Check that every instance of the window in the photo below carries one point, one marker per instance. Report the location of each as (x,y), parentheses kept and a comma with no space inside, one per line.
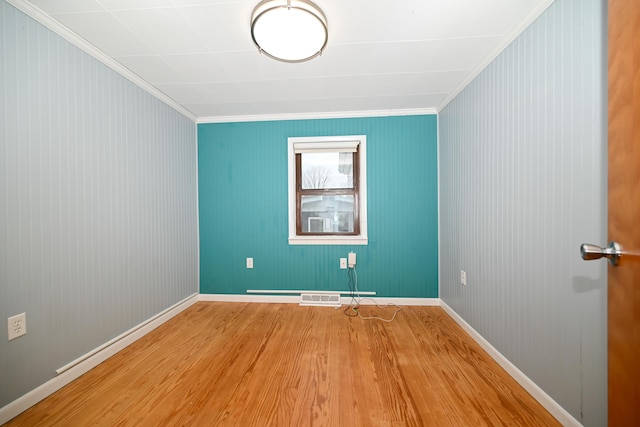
(327,190)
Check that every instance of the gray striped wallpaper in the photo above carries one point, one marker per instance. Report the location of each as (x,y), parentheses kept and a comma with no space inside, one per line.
(98,203)
(522,184)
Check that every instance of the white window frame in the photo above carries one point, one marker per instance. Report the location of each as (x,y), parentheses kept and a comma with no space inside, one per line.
(362,238)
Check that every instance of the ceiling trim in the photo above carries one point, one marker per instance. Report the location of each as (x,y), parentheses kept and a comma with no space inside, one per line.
(325,115)
(533,14)
(82,44)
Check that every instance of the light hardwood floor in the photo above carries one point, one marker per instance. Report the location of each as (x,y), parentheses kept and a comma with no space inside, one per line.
(237,364)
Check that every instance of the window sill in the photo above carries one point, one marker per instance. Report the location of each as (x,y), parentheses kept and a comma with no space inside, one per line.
(328,240)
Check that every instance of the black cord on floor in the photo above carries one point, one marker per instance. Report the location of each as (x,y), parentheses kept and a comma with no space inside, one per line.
(352,294)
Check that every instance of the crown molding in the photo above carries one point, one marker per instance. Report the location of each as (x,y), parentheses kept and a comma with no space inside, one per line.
(322,115)
(43,18)
(533,14)
(67,34)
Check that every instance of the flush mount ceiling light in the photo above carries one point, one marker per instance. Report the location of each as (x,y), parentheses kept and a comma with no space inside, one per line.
(289,30)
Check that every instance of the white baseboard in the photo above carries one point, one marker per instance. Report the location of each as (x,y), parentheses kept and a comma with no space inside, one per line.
(564,417)
(103,352)
(276,299)
(295,299)
(364,300)
(92,359)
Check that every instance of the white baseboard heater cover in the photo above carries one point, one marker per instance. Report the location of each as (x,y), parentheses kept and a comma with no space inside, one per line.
(320,299)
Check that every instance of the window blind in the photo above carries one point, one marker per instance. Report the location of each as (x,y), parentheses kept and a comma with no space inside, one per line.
(326,147)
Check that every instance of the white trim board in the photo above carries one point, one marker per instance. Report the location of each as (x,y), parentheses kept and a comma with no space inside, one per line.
(424,302)
(319,115)
(560,414)
(43,18)
(300,291)
(92,359)
(25,402)
(276,299)
(510,38)
(295,299)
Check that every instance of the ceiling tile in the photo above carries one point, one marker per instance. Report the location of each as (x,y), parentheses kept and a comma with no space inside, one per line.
(163,30)
(503,16)
(201,2)
(134,4)
(222,27)
(151,68)
(197,67)
(465,53)
(391,55)
(185,93)
(68,6)
(374,58)
(356,22)
(105,32)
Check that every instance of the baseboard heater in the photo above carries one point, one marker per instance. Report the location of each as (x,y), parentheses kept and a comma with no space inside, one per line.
(312,298)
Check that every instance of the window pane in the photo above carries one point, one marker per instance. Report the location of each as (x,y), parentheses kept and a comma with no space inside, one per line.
(327,170)
(327,214)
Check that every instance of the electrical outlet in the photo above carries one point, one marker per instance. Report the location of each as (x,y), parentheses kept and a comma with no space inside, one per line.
(463,277)
(343,263)
(249,262)
(17,326)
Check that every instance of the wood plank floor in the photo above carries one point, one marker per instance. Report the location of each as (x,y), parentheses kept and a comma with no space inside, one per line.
(237,364)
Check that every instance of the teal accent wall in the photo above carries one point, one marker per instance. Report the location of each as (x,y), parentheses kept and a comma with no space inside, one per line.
(242,179)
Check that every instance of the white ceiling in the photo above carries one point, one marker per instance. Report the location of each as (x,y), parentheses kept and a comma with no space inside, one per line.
(382,55)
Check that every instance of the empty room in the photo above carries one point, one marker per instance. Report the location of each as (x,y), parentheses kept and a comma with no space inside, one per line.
(327,213)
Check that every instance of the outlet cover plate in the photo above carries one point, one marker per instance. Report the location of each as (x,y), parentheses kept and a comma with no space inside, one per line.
(17,326)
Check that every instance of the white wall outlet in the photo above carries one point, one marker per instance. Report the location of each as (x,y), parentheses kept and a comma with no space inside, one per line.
(463,277)
(17,326)
(352,259)
(249,262)
(343,263)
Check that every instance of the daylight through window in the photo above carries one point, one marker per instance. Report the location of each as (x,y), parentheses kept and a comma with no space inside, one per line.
(329,200)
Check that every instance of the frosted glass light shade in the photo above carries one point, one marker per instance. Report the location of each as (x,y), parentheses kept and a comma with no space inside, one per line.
(289,30)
